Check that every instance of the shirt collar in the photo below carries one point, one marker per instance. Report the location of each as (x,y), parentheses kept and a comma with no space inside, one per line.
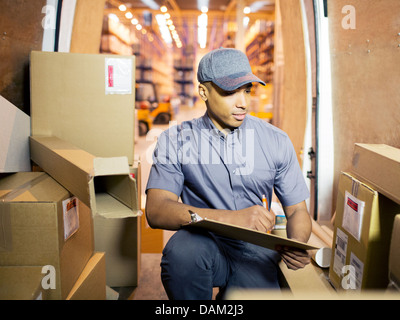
(214,131)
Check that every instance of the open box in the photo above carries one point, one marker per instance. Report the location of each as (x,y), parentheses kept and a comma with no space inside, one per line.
(103,184)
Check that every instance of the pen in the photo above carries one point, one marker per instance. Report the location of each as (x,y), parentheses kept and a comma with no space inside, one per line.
(265,202)
(265,205)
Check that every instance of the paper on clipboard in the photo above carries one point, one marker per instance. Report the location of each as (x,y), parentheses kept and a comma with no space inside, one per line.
(262,239)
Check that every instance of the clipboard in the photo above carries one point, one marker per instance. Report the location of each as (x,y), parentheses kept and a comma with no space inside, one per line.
(262,239)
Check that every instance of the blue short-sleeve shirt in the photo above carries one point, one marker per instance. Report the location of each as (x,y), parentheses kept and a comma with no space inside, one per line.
(209,169)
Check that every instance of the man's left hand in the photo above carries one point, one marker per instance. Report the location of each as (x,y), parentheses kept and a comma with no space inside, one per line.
(294,258)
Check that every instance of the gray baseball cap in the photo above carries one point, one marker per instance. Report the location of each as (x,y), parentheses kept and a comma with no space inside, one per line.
(228,68)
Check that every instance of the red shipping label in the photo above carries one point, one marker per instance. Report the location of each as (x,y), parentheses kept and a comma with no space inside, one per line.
(110,76)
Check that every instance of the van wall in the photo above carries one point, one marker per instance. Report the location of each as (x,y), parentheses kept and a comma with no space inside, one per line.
(365,64)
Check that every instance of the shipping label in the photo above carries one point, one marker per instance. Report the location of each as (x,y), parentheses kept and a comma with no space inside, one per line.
(358,268)
(339,260)
(118,76)
(71,216)
(353,215)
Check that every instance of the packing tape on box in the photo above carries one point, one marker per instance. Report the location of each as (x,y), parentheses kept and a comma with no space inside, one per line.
(354,187)
(5,218)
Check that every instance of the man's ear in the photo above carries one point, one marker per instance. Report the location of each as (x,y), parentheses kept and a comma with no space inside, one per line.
(203,92)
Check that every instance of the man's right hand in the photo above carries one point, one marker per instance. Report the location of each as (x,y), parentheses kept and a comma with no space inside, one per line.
(255,217)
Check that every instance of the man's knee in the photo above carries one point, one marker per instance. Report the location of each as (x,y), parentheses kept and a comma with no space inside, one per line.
(187,250)
(186,266)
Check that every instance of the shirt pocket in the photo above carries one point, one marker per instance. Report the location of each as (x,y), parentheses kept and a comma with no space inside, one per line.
(260,181)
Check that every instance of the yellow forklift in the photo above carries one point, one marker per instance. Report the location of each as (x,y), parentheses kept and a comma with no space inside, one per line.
(150,110)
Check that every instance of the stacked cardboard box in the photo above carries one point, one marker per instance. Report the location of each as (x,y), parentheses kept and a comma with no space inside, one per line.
(43,226)
(87,100)
(22,283)
(91,283)
(82,123)
(365,212)
(82,109)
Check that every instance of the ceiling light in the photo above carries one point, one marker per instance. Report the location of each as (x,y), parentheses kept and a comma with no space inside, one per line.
(122,7)
(134,21)
(202,20)
(151,4)
(113,17)
(202,5)
(257,5)
(167,15)
(139,26)
(129,15)
(246,10)
(165,34)
(163,9)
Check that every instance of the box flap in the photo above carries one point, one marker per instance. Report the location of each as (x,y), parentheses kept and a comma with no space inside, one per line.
(103,184)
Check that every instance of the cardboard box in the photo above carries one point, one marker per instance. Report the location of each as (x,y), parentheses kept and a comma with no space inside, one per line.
(379,166)
(91,284)
(119,239)
(15,129)
(103,184)
(85,99)
(33,230)
(394,256)
(21,283)
(362,231)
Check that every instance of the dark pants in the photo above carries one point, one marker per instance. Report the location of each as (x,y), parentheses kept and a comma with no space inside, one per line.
(194,262)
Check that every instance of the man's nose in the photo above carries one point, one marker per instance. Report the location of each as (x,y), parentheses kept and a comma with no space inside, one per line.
(241,99)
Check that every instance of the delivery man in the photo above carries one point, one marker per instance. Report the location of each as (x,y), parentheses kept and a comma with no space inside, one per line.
(219,166)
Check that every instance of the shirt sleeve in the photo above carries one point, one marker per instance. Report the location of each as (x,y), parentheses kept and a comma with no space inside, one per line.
(290,186)
(165,172)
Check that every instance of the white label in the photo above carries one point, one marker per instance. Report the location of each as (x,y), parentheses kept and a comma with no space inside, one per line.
(71,216)
(339,260)
(359,268)
(118,75)
(353,215)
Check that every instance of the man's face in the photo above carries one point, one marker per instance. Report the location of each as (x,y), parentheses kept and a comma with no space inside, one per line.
(226,109)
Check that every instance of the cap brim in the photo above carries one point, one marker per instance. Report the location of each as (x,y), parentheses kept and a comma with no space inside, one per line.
(230,84)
